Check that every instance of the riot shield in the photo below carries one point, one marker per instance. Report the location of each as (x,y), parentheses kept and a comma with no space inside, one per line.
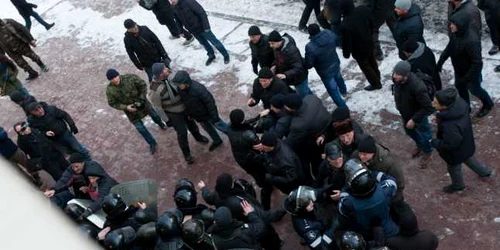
(139,191)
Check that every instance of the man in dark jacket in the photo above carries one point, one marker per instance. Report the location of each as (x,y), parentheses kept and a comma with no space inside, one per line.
(200,105)
(23,100)
(331,174)
(321,54)
(262,53)
(100,184)
(469,9)
(128,94)
(265,86)
(283,167)
(16,41)
(357,39)
(288,63)
(191,15)
(309,120)
(280,117)
(491,8)
(347,137)
(455,138)
(421,58)
(53,123)
(143,47)
(26,11)
(464,48)
(408,25)
(39,148)
(165,15)
(339,115)
(414,104)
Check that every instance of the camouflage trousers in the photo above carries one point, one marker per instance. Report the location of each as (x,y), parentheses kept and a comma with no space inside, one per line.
(26,51)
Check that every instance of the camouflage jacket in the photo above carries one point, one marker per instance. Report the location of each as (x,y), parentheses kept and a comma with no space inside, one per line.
(8,80)
(13,35)
(130,90)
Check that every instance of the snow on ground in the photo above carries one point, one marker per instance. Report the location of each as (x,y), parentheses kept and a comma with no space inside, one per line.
(101,24)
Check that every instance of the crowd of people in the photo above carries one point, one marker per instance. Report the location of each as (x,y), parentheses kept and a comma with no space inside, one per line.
(344,189)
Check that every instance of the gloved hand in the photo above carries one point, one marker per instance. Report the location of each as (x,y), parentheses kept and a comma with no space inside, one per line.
(74,129)
(34,6)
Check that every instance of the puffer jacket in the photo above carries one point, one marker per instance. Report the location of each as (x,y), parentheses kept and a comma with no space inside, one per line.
(199,102)
(284,167)
(321,54)
(191,15)
(409,26)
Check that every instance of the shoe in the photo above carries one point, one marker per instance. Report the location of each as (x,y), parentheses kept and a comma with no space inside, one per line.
(202,139)
(188,41)
(174,37)
(379,55)
(189,160)
(371,88)
(50,26)
(483,112)
(163,126)
(44,68)
(226,60)
(425,160)
(152,148)
(493,50)
(32,76)
(214,146)
(451,189)
(497,69)
(210,60)
(303,30)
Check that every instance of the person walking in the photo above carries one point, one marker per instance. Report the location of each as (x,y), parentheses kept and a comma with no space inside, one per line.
(25,9)
(262,53)
(408,25)
(306,14)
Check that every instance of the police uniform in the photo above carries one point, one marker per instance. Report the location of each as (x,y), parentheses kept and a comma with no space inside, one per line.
(314,233)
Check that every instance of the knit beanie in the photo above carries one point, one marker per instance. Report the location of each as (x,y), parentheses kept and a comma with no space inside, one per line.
(293,101)
(367,144)
(278,100)
(76,157)
(341,114)
(223,216)
(158,69)
(111,73)
(224,183)
(129,23)
(237,116)
(447,97)
(410,45)
(17,96)
(33,106)
(254,30)
(402,68)
(269,139)
(403,4)
(181,77)
(266,73)
(313,29)
(275,36)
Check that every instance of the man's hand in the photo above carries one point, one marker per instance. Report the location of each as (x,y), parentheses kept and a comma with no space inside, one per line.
(247,208)
(335,195)
(131,108)
(281,76)
(410,124)
(142,205)
(102,234)
(251,102)
(201,185)
(258,147)
(84,189)
(50,133)
(49,193)
(320,140)
(264,112)
(273,69)
(33,43)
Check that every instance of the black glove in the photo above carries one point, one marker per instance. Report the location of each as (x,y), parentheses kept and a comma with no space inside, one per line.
(74,129)
(255,69)
(169,123)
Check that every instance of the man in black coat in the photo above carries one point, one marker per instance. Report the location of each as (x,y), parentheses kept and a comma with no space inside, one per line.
(414,104)
(421,58)
(455,138)
(23,100)
(165,15)
(200,105)
(26,11)
(288,64)
(143,47)
(191,15)
(357,40)
(265,86)
(464,48)
(100,184)
(262,53)
(331,173)
(53,123)
(408,25)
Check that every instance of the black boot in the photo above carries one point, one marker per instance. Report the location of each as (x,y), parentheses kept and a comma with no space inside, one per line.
(210,60)
(32,75)
(187,155)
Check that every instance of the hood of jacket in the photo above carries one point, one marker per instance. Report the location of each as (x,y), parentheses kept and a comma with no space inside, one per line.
(287,40)
(418,52)
(454,112)
(413,11)
(93,169)
(323,38)
(462,21)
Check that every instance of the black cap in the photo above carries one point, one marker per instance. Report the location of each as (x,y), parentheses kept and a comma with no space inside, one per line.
(129,23)
(447,97)
(410,45)
(17,96)
(181,77)
(313,29)
(278,100)
(254,30)
(76,157)
(111,73)
(275,36)
(341,114)
(333,150)
(33,106)
(223,216)
(293,101)
(237,116)
(266,73)
(367,144)
(269,139)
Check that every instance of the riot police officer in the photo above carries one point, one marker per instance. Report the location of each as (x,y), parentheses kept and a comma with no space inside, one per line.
(194,236)
(118,214)
(185,197)
(120,239)
(169,231)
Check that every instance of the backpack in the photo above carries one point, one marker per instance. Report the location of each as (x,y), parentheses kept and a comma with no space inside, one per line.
(428,82)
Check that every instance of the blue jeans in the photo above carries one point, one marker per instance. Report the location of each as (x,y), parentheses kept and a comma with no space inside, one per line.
(206,38)
(421,134)
(455,171)
(222,126)
(335,85)
(139,125)
(37,17)
(303,89)
(68,140)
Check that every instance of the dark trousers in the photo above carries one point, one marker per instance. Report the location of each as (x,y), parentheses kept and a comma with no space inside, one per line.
(476,89)
(69,141)
(210,129)
(390,21)
(55,167)
(494,27)
(369,67)
(421,134)
(181,125)
(61,199)
(310,6)
(455,171)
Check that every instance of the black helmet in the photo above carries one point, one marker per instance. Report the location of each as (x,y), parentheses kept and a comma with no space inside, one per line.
(352,241)
(146,235)
(168,226)
(193,231)
(297,201)
(119,238)
(74,211)
(113,203)
(88,231)
(185,194)
(359,179)
(144,216)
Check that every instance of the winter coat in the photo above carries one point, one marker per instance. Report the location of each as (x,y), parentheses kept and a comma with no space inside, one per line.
(321,54)
(412,99)
(191,15)
(13,36)
(328,175)
(285,168)
(242,139)
(7,147)
(55,120)
(199,102)
(262,53)
(472,12)
(161,8)
(165,97)
(130,90)
(37,145)
(145,49)
(70,178)
(455,136)
(259,93)
(289,62)
(239,235)
(8,79)
(423,60)
(490,7)
(25,9)
(104,184)
(464,48)
(410,25)
(282,125)
(357,29)
(308,122)
(381,10)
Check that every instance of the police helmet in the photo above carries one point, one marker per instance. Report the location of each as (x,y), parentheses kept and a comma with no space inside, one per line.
(352,241)
(358,179)
(299,199)
(74,211)
(193,231)
(119,238)
(88,231)
(168,226)
(146,235)
(113,203)
(185,194)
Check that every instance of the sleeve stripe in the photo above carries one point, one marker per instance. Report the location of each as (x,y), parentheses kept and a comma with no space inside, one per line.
(379,176)
(316,242)
(327,239)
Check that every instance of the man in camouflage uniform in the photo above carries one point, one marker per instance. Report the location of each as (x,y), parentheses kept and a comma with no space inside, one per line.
(15,40)
(128,93)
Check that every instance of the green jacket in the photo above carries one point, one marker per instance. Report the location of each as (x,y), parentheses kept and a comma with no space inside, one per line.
(130,90)
(11,84)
